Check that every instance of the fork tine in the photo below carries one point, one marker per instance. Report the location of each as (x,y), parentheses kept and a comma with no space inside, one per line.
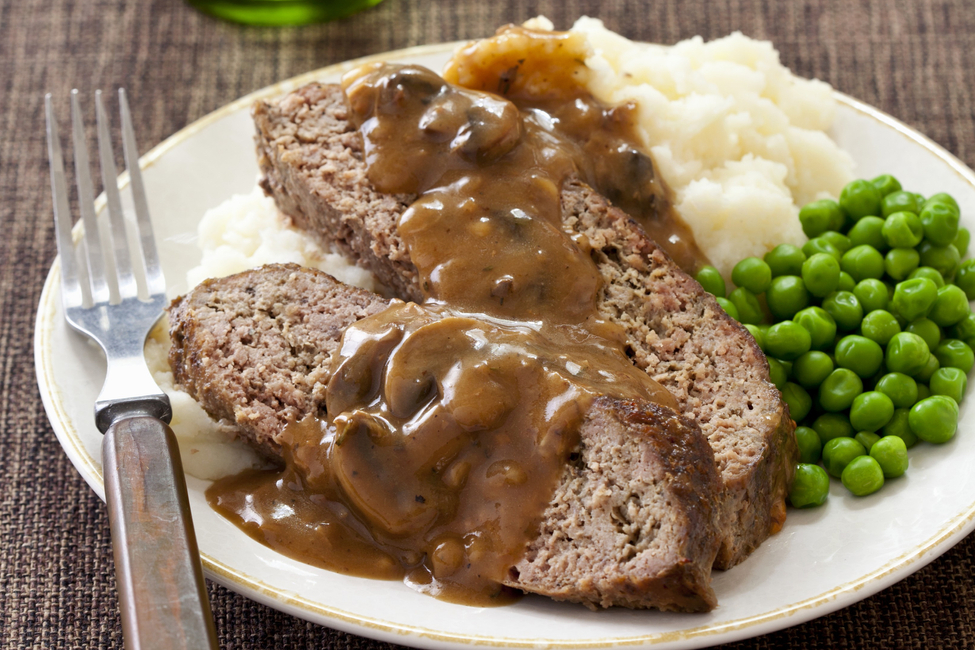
(155,281)
(71,294)
(86,201)
(127,286)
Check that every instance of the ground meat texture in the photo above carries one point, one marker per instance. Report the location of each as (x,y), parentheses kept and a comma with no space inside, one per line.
(632,522)
(632,515)
(310,156)
(253,348)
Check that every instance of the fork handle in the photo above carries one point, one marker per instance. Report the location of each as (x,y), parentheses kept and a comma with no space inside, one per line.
(162,594)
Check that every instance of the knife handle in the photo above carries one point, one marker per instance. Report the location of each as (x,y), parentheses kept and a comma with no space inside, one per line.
(162,594)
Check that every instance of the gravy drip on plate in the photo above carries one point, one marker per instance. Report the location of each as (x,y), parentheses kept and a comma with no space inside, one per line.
(449,424)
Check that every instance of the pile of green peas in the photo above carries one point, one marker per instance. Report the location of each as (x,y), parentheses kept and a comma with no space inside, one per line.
(867,329)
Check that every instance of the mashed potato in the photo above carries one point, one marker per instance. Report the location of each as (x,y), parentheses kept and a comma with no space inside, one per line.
(739,138)
(246,231)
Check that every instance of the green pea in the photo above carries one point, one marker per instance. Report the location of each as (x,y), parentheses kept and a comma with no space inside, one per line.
(901,389)
(847,283)
(810,446)
(777,373)
(872,294)
(929,273)
(942,197)
(900,262)
(786,295)
(810,486)
(845,309)
(753,274)
(819,324)
(863,262)
(821,274)
(870,411)
(886,184)
(786,365)
(965,278)
(860,199)
(710,278)
(906,353)
(902,230)
(924,374)
(940,222)
(943,259)
(728,307)
(785,259)
(859,354)
(868,231)
(913,299)
(890,453)
(819,216)
(900,202)
(787,340)
(899,426)
(757,335)
(962,240)
(838,452)
(839,241)
(749,309)
(812,368)
(863,476)
(963,329)
(923,392)
(953,353)
(832,425)
(839,389)
(950,306)
(950,382)
(927,329)
(820,245)
(797,399)
(879,326)
(867,439)
(934,419)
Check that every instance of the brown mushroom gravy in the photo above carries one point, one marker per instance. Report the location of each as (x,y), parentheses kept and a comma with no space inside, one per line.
(448,438)
(544,75)
(448,424)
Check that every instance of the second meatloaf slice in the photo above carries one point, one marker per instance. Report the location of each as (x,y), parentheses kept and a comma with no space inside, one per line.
(310,155)
(632,521)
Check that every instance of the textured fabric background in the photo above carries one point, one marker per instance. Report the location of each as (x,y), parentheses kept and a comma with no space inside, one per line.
(912,58)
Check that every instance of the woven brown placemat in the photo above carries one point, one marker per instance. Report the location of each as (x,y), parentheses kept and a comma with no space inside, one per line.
(911,58)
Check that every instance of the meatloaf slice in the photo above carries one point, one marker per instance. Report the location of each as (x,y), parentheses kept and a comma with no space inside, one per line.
(632,515)
(632,521)
(310,156)
(253,348)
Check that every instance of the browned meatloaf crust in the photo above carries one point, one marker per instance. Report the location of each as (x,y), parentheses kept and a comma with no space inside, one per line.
(631,522)
(310,156)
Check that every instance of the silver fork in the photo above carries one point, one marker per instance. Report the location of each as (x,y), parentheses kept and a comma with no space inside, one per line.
(162,593)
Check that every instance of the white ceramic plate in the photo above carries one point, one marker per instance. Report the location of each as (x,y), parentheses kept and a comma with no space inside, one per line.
(822,560)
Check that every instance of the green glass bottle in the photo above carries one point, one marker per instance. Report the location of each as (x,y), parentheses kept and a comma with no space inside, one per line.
(281,12)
